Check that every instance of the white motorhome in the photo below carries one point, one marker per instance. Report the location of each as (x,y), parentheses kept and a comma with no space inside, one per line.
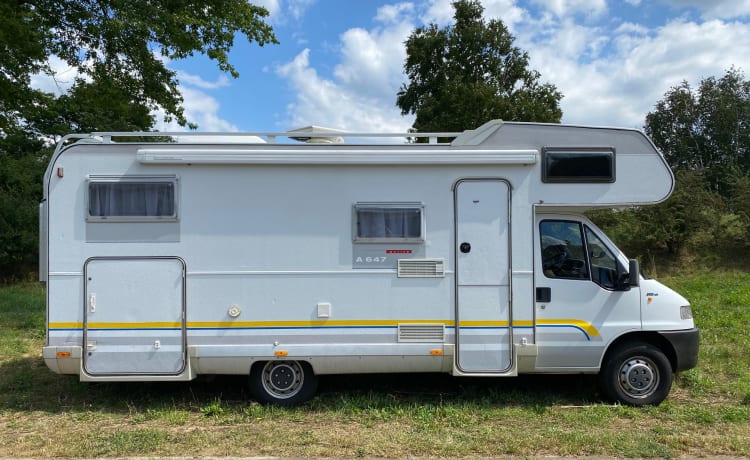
(171,256)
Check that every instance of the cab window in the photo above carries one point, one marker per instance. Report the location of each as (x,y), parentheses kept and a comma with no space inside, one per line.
(563,255)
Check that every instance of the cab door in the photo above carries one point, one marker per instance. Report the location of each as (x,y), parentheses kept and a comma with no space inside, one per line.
(580,303)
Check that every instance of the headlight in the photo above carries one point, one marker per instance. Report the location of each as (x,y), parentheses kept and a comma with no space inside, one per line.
(686,312)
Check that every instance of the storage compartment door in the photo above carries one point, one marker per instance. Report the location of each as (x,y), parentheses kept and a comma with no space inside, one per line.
(483,334)
(134,320)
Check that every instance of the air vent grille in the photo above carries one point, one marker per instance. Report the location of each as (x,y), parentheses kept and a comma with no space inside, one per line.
(421,268)
(421,333)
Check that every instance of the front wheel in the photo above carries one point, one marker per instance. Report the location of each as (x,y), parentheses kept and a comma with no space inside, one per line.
(637,374)
(283,383)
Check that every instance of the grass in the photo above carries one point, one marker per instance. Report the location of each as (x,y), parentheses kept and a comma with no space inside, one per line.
(708,412)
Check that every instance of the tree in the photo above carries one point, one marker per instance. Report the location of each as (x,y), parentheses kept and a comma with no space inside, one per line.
(125,43)
(466,74)
(707,130)
(705,136)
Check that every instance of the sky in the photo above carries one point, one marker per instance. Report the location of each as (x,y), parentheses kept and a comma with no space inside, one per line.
(339,63)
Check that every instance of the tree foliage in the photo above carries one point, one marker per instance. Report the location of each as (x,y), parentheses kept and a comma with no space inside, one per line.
(466,74)
(707,130)
(22,163)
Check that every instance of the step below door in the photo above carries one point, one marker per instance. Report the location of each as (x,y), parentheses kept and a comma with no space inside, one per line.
(134,317)
(483,333)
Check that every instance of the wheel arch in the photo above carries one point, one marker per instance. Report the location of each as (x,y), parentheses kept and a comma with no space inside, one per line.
(650,337)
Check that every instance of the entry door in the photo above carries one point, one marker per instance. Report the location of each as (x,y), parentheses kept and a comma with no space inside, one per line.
(134,321)
(483,334)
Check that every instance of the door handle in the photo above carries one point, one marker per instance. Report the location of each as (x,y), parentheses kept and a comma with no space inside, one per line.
(465,248)
(543,294)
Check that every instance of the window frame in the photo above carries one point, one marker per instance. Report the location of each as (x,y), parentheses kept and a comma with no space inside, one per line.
(550,152)
(133,179)
(386,206)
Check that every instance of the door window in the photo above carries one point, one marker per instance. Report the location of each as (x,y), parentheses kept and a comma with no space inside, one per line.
(563,254)
(562,250)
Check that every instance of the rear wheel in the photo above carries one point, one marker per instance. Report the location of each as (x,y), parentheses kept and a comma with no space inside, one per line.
(636,374)
(283,383)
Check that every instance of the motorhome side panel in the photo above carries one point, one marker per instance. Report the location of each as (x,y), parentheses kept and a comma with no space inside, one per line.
(271,262)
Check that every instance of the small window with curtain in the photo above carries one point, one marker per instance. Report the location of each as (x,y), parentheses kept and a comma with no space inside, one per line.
(132,199)
(388,223)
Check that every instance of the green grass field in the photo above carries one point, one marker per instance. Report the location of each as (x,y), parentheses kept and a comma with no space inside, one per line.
(708,412)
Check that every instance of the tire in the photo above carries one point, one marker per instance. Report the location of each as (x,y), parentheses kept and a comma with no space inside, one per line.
(283,383)
(636,374)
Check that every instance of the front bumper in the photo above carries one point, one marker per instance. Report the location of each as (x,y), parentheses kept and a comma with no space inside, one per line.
(685,345)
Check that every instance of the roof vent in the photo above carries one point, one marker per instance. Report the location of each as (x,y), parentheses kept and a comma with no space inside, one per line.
(317,135)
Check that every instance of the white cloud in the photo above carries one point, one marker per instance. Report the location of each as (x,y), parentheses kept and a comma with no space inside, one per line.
(619,88)
(372,61)
(284,11)
(505,10)
(713,9)
(441,12)
(361,94)
(438,12)
(563,8)
(297,8)
(200,82)
(200,108)
(335,104)
(390,14)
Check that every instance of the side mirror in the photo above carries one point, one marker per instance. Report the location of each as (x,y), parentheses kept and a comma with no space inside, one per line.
(631,278)
(634,273)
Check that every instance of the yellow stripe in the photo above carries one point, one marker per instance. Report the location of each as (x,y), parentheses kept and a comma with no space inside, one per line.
(586,326)
(318,323)
(65,325)
(483,324)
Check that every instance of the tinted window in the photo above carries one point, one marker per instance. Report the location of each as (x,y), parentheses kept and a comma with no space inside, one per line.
(577,166)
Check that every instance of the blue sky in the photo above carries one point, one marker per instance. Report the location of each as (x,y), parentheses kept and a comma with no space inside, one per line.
(339,63)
